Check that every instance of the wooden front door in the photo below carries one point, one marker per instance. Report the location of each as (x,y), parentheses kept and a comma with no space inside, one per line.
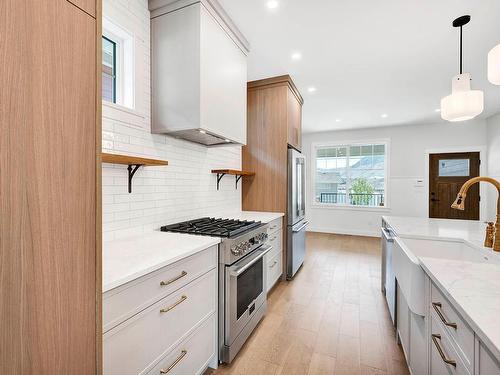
(447,173)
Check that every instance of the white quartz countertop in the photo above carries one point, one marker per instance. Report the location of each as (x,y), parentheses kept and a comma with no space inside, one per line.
(469,231)
(132,257)
(265,217)
(474,290)
(472,287)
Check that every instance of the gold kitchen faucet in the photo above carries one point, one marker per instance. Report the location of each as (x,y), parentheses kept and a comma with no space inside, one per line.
(459,204)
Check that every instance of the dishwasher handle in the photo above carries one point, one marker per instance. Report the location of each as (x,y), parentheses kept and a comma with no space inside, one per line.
(387,235)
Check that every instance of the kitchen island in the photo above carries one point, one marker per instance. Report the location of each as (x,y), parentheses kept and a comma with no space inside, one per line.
(447,294)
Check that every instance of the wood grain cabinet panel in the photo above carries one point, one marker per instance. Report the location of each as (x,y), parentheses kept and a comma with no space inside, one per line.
(294,109)
(273,116)
(88,6)
(48,188)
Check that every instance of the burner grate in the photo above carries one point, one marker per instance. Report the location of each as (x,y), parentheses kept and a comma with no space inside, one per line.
(212,227)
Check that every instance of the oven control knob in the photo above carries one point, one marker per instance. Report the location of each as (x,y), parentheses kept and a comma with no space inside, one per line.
(235,249)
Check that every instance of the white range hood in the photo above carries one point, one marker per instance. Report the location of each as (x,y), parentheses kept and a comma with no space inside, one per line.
(199,73)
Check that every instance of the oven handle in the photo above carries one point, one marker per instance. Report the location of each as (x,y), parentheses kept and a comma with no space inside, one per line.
(237,272)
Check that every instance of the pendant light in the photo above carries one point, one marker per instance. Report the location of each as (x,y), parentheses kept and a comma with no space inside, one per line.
(494,65)
(463,103)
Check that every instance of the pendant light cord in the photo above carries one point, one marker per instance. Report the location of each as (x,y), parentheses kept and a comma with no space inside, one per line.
(460,49)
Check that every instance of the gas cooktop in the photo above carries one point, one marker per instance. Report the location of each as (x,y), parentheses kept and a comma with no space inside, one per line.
(207,226)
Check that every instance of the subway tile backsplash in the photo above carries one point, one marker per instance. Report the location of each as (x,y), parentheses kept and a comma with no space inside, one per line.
(183,190)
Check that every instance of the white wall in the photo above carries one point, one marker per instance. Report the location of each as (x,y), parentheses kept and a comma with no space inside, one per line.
(184,189)
(408,148)
(493,135)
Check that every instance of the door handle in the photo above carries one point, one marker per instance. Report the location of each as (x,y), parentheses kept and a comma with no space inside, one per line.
(435,338)
(434,200)
(437,307)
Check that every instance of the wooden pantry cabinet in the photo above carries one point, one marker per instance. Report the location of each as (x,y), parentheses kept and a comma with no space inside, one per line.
(50,187)
(274,118)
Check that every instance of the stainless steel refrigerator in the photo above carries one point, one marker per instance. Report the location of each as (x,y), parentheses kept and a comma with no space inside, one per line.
(296,227)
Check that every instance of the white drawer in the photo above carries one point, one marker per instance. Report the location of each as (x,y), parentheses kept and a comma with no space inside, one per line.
(193,355)
(274,240)
(462,336)
(443,343)
(273,270)
(125,301)
(141,340)
(275,226)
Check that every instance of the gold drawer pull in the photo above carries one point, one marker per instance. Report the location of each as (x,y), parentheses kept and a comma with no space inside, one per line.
(435,338)
(176,362)
(183,298)
(437,307)
(164,283)
(275,263)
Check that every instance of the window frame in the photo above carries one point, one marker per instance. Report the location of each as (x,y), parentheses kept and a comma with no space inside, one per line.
(125,64)
(314,148)
(115,68)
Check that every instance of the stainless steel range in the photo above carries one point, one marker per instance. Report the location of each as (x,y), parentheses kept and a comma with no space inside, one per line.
(242,277)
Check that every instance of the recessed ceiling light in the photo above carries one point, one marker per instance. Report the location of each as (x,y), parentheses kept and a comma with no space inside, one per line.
(437,110)
(384,115)
(296,56)
(272,4)
(337,120)
(311,89)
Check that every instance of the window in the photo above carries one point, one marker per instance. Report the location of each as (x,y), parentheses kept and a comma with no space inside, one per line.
(454,167)
(350,175)
(108,70)
(118,65)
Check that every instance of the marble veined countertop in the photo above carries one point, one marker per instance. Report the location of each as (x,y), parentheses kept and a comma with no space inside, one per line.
(472,287)
(127,259)
(469,231)
(474,290)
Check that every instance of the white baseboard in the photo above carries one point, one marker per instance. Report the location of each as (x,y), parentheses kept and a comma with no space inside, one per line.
(344,231)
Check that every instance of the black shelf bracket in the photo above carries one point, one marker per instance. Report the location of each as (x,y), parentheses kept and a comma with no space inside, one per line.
(220,175)
(238,177)
(132,168)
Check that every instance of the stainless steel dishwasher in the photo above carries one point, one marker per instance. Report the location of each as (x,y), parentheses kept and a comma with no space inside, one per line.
(388,277)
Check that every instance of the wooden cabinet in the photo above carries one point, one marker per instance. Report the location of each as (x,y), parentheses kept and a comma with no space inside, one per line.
(274,110)
(199,74)
(49,188)
(294,135)
(160,315)
(88,6)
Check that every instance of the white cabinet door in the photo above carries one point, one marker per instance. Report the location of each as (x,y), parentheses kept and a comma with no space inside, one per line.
(444,359)
(418,344)
(223,93)
(488,365)
(403,322)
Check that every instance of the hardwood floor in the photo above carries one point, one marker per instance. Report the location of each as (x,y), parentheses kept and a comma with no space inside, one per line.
(331,319)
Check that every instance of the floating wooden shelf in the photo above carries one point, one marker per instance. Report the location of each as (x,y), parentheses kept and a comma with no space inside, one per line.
(239,174)
(133,162)
(130,160)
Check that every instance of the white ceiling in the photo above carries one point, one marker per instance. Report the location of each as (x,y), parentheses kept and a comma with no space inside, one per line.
(369,57)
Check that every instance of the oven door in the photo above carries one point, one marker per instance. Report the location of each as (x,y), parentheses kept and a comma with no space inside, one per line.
(244,292)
